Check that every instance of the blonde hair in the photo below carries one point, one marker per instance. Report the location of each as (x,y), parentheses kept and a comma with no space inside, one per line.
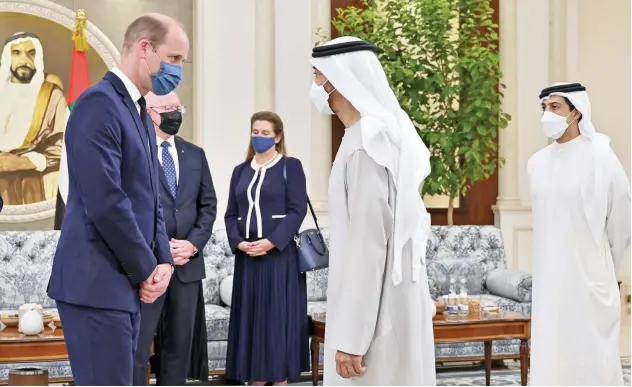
(277,123)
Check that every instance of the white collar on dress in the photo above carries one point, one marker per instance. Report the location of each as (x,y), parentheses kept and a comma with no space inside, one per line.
(269,164)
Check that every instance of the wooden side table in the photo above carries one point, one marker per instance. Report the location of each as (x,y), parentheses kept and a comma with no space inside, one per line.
(318,338)
(508,326)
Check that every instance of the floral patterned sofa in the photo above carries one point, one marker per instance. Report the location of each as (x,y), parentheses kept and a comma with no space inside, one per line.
(471,252)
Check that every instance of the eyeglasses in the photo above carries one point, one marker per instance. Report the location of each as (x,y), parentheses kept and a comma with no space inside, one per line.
(169,108)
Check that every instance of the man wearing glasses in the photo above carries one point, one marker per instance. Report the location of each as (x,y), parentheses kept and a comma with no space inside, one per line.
(189,208)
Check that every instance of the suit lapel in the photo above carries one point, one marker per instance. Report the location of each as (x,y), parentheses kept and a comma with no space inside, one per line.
(183,159)
(140,128)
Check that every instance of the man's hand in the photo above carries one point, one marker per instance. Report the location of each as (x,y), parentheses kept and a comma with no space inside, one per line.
(154,286)
(260,247)
(348,365)
(12,163)
(181,251)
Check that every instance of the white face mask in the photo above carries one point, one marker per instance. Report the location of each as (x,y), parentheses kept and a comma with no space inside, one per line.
(320,98)
(554,125)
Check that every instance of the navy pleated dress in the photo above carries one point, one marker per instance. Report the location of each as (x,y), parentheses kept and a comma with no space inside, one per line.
(268,333)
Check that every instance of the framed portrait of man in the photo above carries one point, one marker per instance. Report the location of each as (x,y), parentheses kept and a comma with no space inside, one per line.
(35,66)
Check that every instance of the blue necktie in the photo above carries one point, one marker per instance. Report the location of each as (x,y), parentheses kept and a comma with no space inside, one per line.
(169,167)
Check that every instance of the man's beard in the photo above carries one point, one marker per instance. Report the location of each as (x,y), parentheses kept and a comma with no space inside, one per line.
(23,74)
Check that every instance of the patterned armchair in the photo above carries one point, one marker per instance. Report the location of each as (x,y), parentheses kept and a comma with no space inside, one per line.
(477,254)
(472,252)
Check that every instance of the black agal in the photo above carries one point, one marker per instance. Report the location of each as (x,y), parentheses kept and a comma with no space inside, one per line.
(342,48)
(565,88)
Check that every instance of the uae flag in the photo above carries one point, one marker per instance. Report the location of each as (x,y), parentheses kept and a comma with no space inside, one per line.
(78,83)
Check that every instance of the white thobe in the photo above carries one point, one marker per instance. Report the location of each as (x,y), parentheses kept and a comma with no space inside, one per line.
(391,326)
(576,303)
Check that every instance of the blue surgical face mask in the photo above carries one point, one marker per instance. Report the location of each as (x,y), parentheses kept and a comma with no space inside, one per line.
(166,79)
(262,144)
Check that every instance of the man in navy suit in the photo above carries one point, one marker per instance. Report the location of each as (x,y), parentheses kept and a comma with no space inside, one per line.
(113,251)
(189,207)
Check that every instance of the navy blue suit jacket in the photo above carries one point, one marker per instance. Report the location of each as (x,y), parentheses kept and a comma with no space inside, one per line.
(105,249)
(191,214)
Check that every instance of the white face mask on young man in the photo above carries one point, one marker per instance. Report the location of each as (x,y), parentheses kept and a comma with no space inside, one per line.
(320,98)
(554,125)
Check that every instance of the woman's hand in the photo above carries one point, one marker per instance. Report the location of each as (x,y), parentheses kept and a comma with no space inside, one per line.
(245,247)
(260,247)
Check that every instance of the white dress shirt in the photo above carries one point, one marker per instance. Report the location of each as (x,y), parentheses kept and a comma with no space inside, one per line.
(172,151)
(133,91)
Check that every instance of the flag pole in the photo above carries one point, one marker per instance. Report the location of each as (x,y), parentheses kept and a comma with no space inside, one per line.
(79,81)
(78,35)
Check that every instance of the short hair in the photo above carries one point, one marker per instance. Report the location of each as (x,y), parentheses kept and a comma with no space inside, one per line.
(145,27)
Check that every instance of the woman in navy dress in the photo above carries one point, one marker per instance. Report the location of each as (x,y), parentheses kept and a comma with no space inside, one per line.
(268,333)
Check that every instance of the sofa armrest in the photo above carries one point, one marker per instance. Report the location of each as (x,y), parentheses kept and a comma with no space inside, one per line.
(512,284)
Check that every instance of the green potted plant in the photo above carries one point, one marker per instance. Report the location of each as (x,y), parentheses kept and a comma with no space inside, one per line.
(441,59)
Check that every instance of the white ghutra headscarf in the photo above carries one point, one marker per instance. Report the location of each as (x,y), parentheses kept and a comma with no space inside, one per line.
(17,101)
(595,191)
(393,143)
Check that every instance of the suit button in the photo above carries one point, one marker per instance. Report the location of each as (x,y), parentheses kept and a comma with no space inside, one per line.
(176,210)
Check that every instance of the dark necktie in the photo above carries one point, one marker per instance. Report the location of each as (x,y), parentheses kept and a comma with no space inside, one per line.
(169,167)
(143,114)
(143,117)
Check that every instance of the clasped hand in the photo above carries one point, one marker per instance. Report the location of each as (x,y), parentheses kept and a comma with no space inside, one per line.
(257,248)
(348,365)
(181,251)
(157,283)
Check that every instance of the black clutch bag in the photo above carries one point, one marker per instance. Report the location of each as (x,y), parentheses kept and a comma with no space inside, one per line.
(313,253)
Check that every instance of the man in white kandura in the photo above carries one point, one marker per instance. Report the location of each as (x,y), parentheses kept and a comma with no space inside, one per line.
(581,231)
(379,310)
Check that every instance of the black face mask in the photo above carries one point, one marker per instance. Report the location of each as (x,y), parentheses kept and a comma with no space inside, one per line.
(170,122)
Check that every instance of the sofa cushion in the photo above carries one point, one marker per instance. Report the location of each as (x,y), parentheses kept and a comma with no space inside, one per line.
(462,241)
(217,318)
(27,259)
(512,284)
(472,269)
(226,290)
(219,263)
(317,285)
(458,252)
(316,307)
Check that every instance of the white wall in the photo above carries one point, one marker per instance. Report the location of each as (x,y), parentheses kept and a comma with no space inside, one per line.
(546,41)
(254,55)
